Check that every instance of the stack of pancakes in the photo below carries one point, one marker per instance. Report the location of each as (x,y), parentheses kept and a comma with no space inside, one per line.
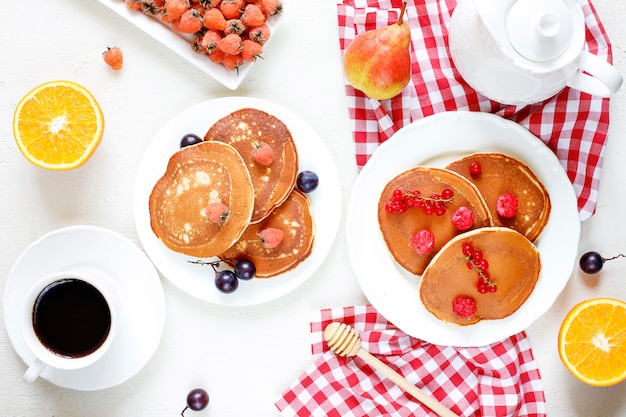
(506,243)
(222,169)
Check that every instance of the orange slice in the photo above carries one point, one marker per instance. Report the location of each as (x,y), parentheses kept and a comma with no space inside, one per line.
(592,341)
(58,125)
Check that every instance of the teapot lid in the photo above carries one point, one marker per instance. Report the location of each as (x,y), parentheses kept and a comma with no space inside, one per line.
(540,30)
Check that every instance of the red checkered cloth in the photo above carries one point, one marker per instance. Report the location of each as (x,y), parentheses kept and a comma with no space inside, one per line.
(501,379)
(573,124)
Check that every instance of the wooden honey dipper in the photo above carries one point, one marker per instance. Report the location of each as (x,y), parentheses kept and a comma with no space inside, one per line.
(344,341)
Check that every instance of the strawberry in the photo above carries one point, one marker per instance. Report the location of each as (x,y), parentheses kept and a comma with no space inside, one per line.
(113,57)
(506,206)
(423,242)
(189,22)
(464,307)
(232,8)
(252,16)
(263,153)
(270,237)
(230,44)
(251,50)
(217,213)
(259,34)
(214,19)
(462,218)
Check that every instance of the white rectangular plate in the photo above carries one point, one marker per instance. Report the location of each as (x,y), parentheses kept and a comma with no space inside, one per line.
(181,44)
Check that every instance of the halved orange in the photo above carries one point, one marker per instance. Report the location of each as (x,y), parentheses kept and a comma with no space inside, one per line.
(58,125)
(592,341)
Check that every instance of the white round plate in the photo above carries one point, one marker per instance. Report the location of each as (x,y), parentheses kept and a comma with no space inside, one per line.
(87,249)
(198,280)
(436,141)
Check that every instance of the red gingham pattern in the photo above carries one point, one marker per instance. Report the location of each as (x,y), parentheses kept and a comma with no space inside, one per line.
(498,380)
(573,124)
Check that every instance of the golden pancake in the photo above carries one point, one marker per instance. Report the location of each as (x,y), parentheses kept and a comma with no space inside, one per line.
(246,129)
(398,229)
(196,176)
(503,174)
(294,219)
(513,265)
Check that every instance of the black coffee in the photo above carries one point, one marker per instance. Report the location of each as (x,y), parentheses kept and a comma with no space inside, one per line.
(71,317)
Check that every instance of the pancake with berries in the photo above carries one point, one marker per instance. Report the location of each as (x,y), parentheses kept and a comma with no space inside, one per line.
(484,274)
(515,196)
(203,202)
(422,208)
(267,147)
(279,242)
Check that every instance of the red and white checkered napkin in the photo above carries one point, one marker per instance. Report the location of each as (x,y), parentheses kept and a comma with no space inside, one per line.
(501,379)
(573,124)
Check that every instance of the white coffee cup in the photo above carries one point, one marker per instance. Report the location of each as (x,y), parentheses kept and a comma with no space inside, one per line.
(69,321)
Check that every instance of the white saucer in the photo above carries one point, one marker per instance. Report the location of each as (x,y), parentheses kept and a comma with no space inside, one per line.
(85,249)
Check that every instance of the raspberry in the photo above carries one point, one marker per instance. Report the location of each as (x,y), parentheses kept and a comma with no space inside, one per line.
(234,26)
(263,154)
(251,50)
(506,206)
(252,16)
(232,62)
(210,40)
(464,307)
(423,242)
(271,237)
(230,44)
(231,9)
(189,22)
(214,19)
(216,56)
(463,218)
(217,213)
(113,57)
(270,7)
(259,34)
(174,9)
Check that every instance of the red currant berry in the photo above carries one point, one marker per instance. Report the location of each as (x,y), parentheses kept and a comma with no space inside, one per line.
(475,168)
(483,265)
(428,208)
(467,248)
(447,194)
(397,195)
(440,210)
(493,288)
(482,287)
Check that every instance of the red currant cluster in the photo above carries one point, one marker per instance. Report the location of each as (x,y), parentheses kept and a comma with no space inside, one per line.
(475,261)
(400,202)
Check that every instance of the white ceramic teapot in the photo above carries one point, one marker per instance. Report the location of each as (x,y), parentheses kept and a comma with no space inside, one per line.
(525,51)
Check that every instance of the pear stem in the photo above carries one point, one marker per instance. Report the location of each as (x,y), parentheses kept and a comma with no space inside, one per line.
(401,13)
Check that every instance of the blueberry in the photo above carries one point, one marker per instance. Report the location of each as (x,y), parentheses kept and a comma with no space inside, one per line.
(226,281)
(190,139)
(245,269)
(307,181)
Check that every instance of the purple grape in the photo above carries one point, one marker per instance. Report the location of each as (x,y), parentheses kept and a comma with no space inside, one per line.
(245,270)
(197,400)
(307,181)
(226,281)
(591,262)
(190,139)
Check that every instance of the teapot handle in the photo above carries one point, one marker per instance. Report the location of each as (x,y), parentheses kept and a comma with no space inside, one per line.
(595,76)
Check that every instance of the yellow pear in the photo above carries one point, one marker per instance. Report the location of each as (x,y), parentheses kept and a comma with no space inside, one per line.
(378,62)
